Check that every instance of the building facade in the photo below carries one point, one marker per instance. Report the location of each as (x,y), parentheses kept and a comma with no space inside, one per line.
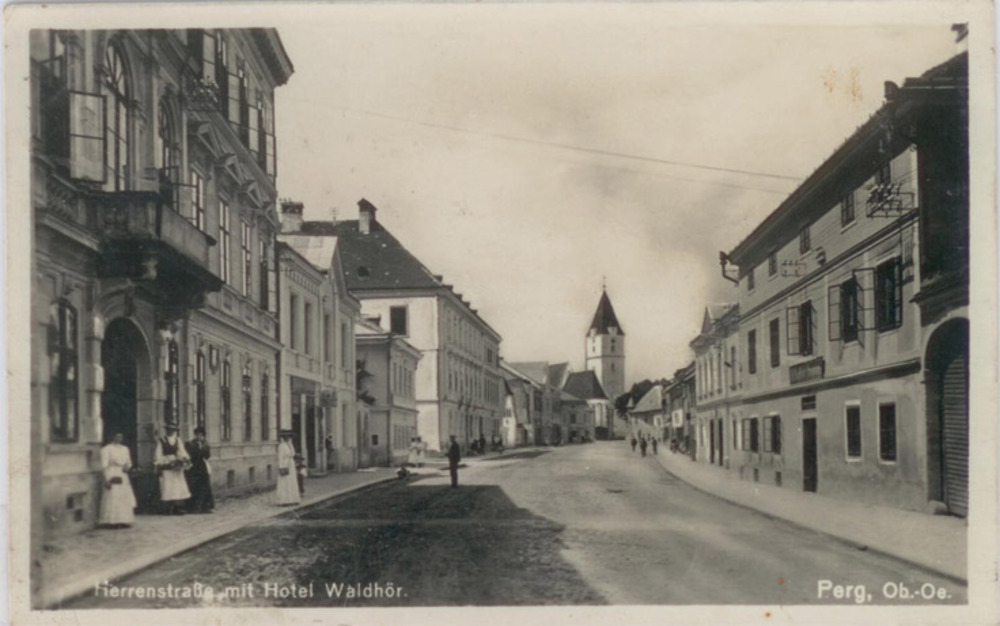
(153,187)
(837,346)
(718,385)
(391,365)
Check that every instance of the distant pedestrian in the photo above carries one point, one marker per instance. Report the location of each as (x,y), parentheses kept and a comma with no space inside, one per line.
(422,452)
(288,488)
(634,441)
(454,456)
(117,499)
(482,444)
(199,476)
(642,446)
(655,446)
(413,454)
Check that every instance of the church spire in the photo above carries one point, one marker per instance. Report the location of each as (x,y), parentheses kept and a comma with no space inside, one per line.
(604,317)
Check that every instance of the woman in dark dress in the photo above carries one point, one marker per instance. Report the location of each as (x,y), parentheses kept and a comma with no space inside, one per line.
(200,475)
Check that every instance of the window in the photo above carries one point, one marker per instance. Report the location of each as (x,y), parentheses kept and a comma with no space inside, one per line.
(804,243)
(197,200)
(247,264)
(225,402)
(884,174)
(225,262)
(169,153)
(775,340)
(800,329)
(374,440)
(849,310)
(293,321)
(247,403)
(397,320)
(853,418)
(63,408)
(327,338)
(772,434)
(199,390)
(732,367)
(808,403)
(889,294)
(750,280)
(307,311)
(171,407)
(264,275)
(244,103)
(847,209)
(222,72)
(343,345)
(754,434)
(772,264)
(887,432)
(752,351)
(117,137)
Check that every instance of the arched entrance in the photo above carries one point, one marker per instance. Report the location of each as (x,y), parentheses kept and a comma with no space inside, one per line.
(947,386)
(126,404)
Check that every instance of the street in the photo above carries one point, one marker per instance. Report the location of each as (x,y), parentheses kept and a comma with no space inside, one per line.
(586,524)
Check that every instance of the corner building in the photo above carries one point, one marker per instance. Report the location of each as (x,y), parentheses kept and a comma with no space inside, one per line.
(153,187)
(836,346)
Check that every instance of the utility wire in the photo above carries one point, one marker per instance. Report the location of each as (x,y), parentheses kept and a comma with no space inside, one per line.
(555,144)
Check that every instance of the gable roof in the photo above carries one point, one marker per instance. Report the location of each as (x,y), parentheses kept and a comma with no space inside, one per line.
(537,371)
(557,374)
(585,385)
(317,250)
(604,317)
(652,401)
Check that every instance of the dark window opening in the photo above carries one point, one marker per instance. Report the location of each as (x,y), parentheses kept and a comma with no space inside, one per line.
(889,294)
(887,432)
(397,320)
(63,406)
(853,432)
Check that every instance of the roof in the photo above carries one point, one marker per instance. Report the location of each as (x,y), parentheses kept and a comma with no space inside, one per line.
(537,371)
(652,401)
(565,396)
(317,250)
(604,317)
(557,374)
(585,385)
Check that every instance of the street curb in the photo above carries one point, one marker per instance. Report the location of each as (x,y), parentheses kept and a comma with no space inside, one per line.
(52,598)
(842,538)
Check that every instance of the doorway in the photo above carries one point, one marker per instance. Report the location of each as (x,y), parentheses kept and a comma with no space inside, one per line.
(948,416)
(810,468)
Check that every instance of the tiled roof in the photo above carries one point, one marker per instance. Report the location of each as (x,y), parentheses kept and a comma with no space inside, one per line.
(375,260)
(557,373)
(585,385)
(604,317)
(537,371)
(652,401)
(317,250)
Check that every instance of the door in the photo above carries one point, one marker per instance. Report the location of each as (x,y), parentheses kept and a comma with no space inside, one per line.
(955,435)
(722,447)
(810,470)
(312,434)
(711,439)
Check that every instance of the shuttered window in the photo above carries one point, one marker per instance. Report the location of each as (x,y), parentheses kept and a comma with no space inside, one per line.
(853,425)
(887,432)
(775,340)
(752,352)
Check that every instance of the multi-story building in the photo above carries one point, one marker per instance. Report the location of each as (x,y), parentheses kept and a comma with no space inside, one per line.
(586,386)
(390,363)
(840,325)
(546,399)
(518,420)
(681,403)
(153,188)
(718,384)
(459,388)
(649,413)
(318,386)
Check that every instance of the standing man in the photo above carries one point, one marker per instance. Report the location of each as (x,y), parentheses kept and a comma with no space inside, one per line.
(642,445)
(454,456)
(171,459)
(633,443)
(200,474)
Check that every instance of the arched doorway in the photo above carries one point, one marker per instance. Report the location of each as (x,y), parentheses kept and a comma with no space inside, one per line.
(947,385)
(126,401)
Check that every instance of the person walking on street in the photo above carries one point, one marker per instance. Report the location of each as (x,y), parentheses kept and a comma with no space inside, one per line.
(117,499)
(199,476)
(655,445)
(454,456)
(288,483)
(642,445)
(633,444)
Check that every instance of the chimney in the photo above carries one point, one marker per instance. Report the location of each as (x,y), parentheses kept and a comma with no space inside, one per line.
(366,216)
(291,216)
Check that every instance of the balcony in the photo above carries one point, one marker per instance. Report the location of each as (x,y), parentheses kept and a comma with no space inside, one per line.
(145,240)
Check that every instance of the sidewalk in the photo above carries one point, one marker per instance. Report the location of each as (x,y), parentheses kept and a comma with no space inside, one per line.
(934,542)
(72,565)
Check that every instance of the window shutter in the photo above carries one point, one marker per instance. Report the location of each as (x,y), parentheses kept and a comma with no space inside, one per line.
(234,99)
(865,279)
(87,117)
(271,164)
(833,302)
(208,57)
(253,122)
(793,345)
(776,435)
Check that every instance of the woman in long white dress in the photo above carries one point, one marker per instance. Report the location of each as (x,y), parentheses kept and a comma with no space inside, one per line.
(288,482)
(118,499)
(414,453)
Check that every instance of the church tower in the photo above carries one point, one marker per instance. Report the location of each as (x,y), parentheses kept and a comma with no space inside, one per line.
(605,348)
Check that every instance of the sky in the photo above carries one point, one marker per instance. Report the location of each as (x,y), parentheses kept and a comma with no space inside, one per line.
(530,156)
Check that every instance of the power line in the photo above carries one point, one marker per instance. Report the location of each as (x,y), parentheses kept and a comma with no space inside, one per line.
(563,146)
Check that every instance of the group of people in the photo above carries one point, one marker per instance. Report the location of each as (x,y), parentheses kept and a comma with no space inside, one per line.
(184,474)
(644,442)
(478,446)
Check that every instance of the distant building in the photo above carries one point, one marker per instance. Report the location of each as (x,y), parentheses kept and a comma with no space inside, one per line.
(519,414)
(681,403)
(390,365)
(586,386)
(459,388)
(650,412)
(854,312)
(605,348)
(546,399)
(718,385)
